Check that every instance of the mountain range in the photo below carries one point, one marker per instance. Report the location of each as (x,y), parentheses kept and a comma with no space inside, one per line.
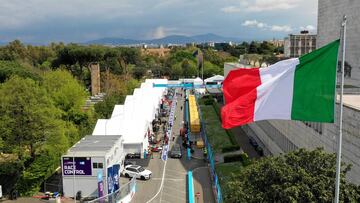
(171,39)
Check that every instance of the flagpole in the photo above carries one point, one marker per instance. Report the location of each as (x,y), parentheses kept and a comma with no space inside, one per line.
(338,157)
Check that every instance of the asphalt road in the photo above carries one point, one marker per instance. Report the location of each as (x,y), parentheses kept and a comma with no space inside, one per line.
(174,188)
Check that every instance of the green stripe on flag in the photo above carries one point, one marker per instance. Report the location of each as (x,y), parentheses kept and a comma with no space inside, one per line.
(314,85)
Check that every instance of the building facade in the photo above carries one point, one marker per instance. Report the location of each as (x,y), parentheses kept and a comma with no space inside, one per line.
(330,16)
(296,45)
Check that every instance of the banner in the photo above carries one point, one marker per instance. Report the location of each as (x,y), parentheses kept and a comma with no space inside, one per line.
(110,182)
(82,166)
(116,181)
(100,183)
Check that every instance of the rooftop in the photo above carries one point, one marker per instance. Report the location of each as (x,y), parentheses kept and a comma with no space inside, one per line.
(94,145)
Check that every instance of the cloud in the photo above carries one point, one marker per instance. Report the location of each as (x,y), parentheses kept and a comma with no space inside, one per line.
(279,28)
(308,27)
(261,25)
(254,23)
(261,5)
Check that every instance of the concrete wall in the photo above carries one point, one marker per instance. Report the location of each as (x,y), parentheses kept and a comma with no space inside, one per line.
(330,15)
(279,136)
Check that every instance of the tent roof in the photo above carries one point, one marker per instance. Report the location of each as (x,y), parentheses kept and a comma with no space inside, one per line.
(215,78)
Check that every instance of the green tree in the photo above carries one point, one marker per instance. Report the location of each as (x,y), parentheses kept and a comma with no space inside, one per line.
(27,114)
(138,72)
(189,68)
(300,176)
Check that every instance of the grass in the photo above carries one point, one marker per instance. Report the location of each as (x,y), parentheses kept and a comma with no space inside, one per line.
(216,135)
(224,172)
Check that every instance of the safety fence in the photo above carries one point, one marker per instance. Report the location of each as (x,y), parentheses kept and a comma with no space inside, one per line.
(124,194)
(211,159)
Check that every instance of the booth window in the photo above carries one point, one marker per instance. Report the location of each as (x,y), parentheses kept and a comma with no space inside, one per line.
(97,165)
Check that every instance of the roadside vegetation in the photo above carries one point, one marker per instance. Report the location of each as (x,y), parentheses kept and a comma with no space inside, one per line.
(299,176)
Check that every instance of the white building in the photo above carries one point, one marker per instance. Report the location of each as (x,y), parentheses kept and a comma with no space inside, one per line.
(93,155)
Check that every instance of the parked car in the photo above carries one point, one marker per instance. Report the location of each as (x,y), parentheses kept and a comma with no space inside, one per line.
(137,171)
(253,142)
(176,151)
(129,162)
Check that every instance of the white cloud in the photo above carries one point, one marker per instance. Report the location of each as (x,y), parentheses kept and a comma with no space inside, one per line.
(308,27)
(261,5)
(254,23)
(261,25)
(279,28)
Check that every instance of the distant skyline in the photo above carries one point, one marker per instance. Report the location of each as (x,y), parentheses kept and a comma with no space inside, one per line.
(44,21)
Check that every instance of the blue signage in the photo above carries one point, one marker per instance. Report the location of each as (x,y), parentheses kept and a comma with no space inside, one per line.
(82,166)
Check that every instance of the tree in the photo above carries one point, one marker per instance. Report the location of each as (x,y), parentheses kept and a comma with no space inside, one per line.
(27,115)
(138,72)
(253,47)
(300,176)
(188,68)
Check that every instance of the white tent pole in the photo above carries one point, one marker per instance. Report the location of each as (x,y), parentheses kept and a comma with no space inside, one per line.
(338,158)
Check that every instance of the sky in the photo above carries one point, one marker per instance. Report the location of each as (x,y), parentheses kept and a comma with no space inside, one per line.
(44,21)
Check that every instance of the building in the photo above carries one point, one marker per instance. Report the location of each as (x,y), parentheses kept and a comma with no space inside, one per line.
(276,42)
(93,155)
(296,45)
(330,16)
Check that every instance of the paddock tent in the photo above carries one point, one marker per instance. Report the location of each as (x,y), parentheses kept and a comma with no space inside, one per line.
(214,79)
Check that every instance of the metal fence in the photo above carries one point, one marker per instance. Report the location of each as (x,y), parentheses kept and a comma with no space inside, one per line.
(211,159)
(124,194)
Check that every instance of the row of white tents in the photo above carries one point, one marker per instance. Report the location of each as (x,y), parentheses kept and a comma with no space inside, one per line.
(133,119)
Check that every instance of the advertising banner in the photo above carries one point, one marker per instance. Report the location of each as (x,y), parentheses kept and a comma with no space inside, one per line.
(100,183)
(82,166)
(110,179)
(116,169)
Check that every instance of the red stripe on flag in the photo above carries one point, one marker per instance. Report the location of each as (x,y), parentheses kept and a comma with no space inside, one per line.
(240,94)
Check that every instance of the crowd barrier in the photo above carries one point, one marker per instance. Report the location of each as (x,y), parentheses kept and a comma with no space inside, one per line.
(123,195)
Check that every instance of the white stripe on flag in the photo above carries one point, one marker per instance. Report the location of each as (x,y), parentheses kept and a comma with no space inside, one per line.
(274,95)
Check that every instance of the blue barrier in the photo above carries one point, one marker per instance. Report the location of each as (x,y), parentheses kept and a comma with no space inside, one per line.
(191,188)
(210,156)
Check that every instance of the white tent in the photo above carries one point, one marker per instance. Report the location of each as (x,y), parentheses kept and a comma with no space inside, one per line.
(215,78)
(134,118)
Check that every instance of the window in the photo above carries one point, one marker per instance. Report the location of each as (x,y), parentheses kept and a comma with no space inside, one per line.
(97,165)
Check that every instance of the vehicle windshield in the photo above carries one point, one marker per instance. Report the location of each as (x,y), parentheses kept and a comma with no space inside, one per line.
(141,169)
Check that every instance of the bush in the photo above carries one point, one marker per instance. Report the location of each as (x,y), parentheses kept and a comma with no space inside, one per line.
(230,148)
(243,158)
(209,101)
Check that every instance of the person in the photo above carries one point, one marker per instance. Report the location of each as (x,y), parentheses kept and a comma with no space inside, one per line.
(180,108)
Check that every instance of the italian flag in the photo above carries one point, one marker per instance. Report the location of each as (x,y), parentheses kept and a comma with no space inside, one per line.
(294,89)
